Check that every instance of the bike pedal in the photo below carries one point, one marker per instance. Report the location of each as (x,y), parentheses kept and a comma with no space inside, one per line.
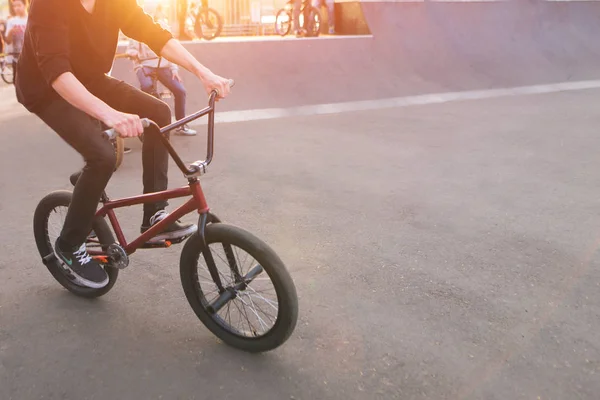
(179,240)
(156,244)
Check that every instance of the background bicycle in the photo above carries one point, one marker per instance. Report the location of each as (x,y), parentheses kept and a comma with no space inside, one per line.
(203,22)
(284,19)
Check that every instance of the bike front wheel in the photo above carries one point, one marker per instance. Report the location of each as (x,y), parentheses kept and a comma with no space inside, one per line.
(208,24)
(283,22)
(256,308)
(313,25)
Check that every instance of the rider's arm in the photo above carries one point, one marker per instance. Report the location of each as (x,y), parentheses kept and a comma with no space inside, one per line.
(139,26)
(176,53)
(73,91)
(136,24)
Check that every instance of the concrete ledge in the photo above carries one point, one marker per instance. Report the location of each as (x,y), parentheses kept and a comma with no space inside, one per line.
(414,48)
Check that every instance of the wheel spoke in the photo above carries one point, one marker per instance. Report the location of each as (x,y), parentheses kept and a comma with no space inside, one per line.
(253,309)
(273,304)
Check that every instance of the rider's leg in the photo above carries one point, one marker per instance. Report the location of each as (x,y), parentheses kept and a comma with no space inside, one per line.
(126,98)
(84,134)
(155,158)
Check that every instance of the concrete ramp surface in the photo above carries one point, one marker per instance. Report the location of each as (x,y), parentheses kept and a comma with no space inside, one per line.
(413,48)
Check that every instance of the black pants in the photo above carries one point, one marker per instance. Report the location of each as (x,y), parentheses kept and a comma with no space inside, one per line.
(84,134)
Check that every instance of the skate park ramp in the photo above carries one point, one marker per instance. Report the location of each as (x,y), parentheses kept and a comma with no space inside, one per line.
(391,49)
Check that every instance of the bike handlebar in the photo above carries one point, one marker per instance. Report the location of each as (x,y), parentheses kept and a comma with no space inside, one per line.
(197,168)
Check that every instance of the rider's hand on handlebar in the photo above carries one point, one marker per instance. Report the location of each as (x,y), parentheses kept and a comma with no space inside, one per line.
(215,82)
(126,125)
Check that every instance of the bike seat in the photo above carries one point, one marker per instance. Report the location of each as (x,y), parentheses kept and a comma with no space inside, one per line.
(75,177)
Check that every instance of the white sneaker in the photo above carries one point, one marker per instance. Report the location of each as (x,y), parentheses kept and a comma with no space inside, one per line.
(185,131)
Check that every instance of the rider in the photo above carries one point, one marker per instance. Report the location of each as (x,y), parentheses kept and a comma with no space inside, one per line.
(62,78)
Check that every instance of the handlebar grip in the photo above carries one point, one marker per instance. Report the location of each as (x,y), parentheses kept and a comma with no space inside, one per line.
(215,92)
(112,134)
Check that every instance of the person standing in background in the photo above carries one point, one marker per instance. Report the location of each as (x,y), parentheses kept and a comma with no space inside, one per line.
(182,10)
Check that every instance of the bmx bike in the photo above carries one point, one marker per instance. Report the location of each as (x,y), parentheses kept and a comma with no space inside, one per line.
(235,283)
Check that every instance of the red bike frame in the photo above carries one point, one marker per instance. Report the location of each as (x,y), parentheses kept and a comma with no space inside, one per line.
(197,202)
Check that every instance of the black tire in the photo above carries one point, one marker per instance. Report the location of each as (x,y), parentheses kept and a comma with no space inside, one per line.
(215,27)
(287,301)
(313,27)
(283,27)
(62,198)
(7,72)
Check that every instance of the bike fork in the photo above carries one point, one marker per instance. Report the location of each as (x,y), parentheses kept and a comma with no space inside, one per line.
(208,257)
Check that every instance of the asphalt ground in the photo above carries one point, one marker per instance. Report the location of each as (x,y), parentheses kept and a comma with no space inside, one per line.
(441,251)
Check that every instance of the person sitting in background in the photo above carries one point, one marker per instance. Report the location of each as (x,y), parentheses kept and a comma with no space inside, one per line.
(167,73)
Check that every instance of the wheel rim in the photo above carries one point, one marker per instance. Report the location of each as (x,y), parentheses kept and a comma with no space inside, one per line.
(283,23)
(253,313)
(208,23)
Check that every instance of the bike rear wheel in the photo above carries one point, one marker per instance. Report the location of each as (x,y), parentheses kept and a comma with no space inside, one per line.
(208,24)
(257,309)
(48,221)
(313,25)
